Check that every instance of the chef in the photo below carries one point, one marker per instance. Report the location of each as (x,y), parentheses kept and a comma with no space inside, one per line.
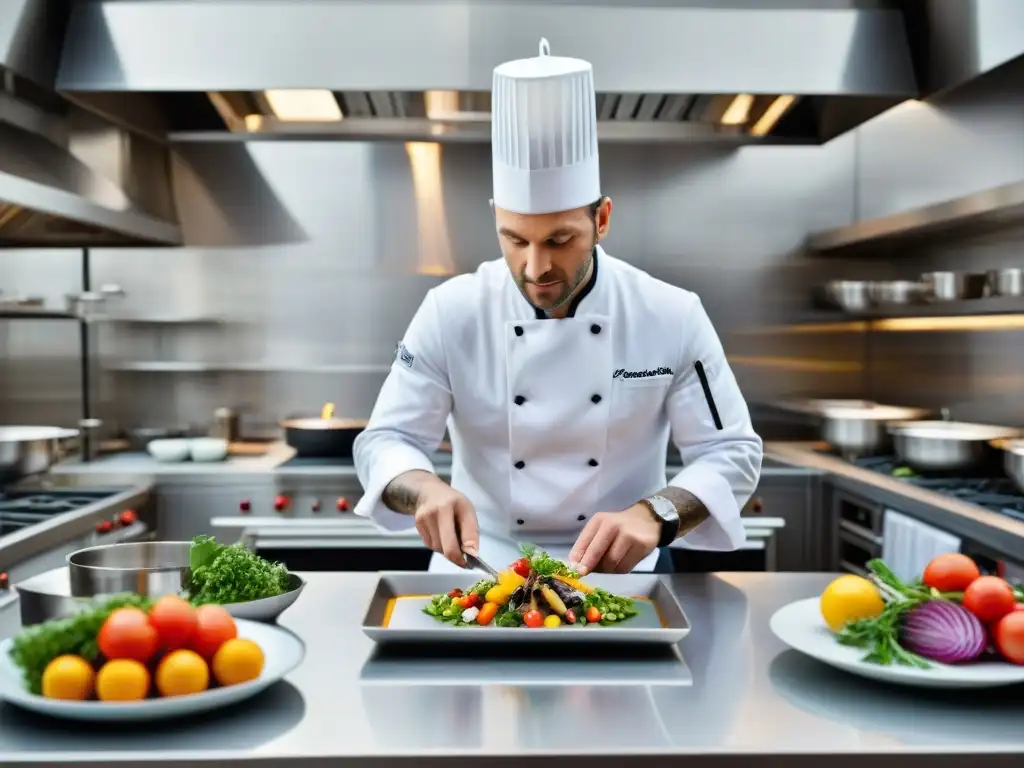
(560,373)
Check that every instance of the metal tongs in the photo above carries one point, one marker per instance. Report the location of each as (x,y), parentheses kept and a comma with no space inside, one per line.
(476,563)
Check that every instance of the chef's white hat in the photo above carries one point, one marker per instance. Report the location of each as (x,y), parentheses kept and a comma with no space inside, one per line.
(544,134)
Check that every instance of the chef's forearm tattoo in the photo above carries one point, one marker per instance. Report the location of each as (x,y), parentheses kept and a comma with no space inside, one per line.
(401,496)
(690,509)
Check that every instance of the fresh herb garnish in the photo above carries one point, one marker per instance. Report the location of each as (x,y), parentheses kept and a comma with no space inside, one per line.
(231,574)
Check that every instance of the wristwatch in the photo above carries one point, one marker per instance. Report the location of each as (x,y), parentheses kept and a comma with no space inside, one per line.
(664,511)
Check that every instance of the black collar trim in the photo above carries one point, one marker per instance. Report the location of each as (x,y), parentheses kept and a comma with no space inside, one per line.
(540,314)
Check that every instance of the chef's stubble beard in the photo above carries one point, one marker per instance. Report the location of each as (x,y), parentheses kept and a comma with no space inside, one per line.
(577,280)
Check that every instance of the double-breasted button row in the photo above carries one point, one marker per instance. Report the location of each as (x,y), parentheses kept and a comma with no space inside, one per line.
(519,399)
(521,464)
(581,518)
(595,329)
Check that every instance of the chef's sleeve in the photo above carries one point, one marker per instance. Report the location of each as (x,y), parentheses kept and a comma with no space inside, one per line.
(408,420)
(711,428)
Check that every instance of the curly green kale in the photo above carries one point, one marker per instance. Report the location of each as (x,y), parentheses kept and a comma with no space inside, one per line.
(231,574)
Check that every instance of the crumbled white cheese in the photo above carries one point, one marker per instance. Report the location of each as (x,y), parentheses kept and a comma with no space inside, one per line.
(470,614)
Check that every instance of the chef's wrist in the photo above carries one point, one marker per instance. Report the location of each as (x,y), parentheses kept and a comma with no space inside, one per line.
(404,493)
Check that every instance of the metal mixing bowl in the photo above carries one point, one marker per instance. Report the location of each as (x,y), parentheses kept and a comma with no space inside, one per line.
(150,568)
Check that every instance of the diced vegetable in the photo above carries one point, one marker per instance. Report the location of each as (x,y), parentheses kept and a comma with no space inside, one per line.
(586,589)
(593,615)
(470,614)
(989,598)
(951,572)
(486,613)
(469,601)
(552,621)
(553,600)
(943,631)
(498,595)
(510,580)
(533,619)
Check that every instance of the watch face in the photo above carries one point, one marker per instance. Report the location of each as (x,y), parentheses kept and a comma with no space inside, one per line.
(664,509)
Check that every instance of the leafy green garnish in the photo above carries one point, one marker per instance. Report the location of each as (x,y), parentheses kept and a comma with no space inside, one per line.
(613,608)
(40,644)
(231,574)
(544,565)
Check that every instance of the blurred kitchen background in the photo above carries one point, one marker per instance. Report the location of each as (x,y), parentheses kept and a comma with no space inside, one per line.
(306,250)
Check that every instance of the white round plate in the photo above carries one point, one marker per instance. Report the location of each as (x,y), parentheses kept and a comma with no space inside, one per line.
(282,651)
(800,626)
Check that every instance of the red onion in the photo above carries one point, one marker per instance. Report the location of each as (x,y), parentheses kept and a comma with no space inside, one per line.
(943,631)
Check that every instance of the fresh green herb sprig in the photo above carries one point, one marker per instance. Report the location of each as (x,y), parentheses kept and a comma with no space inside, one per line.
(231,574)
(544,565)
(38,645)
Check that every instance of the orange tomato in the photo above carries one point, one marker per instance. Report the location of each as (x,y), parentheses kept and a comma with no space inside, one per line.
(214,627)
(122,680)
(127,634)
(181,673)
(174,620)
(487,612)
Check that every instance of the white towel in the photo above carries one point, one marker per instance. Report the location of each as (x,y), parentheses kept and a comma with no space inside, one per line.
(908,545)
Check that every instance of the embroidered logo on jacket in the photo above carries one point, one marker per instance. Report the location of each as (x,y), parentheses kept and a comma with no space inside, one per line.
(622,373)
(404,356)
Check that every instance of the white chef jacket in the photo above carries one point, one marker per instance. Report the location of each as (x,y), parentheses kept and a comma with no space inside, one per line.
(554,420)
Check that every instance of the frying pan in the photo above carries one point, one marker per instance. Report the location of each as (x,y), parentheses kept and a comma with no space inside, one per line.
(323,438)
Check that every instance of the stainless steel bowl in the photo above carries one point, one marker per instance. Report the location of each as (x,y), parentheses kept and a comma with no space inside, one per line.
(895,292)
(150,568)
(30,450)
(944,446)
(856,432)
(848,294)
(1006,282)
(269,608)
(951,286)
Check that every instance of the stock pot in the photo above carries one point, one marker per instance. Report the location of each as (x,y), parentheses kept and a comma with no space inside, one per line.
(30,450)
(946,446)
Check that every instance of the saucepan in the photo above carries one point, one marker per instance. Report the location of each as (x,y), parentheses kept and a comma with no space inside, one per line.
(863,430)
(323,437)
(1013,459)
(946,446)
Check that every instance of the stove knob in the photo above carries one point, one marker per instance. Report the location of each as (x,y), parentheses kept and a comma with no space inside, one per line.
(126,518)
(244,506)
(105,527)
(281,503)
(342,504)
(316,505)
(5,582)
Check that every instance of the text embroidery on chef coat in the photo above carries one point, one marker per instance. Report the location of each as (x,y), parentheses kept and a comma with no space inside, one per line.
(404,356)
(622,373)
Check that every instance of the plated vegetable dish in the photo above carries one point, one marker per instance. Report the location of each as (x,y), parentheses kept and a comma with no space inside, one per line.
(952,614)
(533,592)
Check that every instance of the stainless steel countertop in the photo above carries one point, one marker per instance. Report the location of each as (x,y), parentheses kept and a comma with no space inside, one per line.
(746,700)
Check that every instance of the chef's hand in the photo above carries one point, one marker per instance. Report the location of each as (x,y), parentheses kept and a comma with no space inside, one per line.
(615,542)
(446,521)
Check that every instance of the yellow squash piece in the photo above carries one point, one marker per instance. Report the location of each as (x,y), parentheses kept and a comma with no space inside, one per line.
(576,584)
(510,581)
(497,595)
(553,599)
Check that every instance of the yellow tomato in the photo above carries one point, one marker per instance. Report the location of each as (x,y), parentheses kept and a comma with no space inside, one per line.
(68,677)
(510,581)
(497,595)
(849,598)
(237,661)
(552,621)
(122,680)
(182,672)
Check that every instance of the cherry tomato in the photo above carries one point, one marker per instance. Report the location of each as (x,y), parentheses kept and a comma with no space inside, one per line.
(989,598)
(174,621)
(128,634)
(487,613)
(533,619)
(522,567)
(469,601)
(214,627)
(1009,637)
(593,615)
(570,616)
(951,572)
(455,593)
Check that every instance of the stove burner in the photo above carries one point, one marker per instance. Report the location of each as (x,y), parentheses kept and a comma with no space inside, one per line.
(21,509)
(994,493)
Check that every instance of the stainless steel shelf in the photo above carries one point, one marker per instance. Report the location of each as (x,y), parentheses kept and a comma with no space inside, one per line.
(1000,305)
(969,214)
(196,367)
(36,314)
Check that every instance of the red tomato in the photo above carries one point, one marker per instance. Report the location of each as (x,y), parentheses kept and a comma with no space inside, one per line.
(455,593)
(989,598)
(174,620)
(214,627)
(522,567)
(1009,637)
(127,634)
(469,601)
(533,619)
(952,572)
(593,615)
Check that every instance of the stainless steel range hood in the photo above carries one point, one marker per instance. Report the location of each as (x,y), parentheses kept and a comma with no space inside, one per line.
(735,71)
(67,176)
